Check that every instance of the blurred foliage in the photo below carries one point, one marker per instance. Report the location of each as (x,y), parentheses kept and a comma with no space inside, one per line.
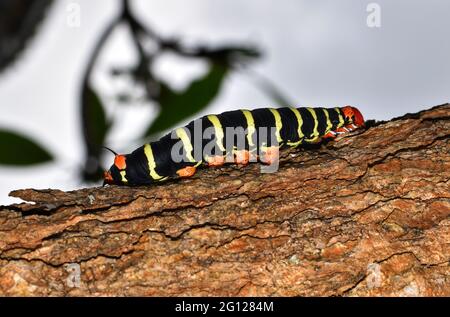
(174,106)
(20,150)
(19,20)
(96,119)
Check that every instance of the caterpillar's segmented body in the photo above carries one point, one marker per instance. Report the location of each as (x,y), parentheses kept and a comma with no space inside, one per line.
(239,136)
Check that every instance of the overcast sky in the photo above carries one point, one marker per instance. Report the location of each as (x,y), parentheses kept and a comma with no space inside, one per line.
(319,52)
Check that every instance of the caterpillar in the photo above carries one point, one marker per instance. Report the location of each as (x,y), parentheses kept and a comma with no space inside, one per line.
(239,136)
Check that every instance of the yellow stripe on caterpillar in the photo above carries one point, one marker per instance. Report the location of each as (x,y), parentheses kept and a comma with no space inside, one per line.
(315,134)
(301,136)
(341,118)
(183,136)
(250,126)
(123,174)
(278,124)
(329,123)
(151,162)
(218,129)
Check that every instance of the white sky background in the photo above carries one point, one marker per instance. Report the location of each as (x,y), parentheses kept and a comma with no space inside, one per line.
(319,52)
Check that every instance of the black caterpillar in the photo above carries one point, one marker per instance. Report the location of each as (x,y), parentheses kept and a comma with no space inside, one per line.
(239,136)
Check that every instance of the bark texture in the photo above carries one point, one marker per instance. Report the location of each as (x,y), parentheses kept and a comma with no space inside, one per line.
(367,214)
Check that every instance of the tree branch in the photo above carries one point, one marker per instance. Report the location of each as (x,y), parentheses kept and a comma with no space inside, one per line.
(364,215)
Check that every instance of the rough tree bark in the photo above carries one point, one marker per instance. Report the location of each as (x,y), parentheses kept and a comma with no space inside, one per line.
(364,215)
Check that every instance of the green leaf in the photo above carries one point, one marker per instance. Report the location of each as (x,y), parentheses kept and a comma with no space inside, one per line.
(94,121)
(177,106)
(17,149)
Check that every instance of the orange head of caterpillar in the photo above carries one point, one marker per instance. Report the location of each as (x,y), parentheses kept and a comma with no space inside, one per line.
(353,116)
(113,175)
